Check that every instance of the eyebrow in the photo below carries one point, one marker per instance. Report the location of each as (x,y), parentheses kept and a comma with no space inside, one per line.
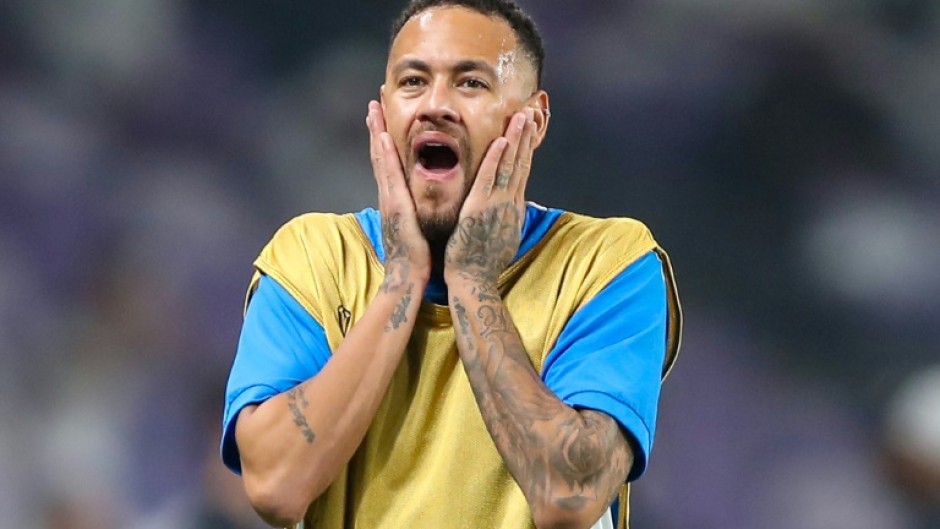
(466,65)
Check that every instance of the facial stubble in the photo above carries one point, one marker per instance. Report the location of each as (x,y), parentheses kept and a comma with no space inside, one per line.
(437,227)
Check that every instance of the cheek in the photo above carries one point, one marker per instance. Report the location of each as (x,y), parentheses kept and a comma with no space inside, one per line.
(399,114)
(398,122)
(485,112)
(397,125)
(485,124)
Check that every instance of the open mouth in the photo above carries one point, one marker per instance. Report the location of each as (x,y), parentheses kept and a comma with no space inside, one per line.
(437,157)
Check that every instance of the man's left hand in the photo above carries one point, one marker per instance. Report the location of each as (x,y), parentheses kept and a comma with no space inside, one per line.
(489,228)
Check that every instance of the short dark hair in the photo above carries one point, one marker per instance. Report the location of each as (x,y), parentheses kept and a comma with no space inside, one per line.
(522,24)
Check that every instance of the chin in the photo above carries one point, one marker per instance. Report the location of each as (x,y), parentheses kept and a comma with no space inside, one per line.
(438,225)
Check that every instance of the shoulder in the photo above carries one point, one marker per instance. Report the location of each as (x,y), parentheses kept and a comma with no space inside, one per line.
(613,245)
(315,233)
(318,256)
(617,241)
(623,229)
(314,225)
(581,254)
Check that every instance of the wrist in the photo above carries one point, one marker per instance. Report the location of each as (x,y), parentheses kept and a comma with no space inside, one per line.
(459,283)
(402,276)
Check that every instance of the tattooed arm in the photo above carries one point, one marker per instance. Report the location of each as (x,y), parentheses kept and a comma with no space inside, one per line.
(295,444)
(569,463)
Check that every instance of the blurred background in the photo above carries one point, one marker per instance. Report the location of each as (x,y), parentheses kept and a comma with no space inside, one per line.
(785,152)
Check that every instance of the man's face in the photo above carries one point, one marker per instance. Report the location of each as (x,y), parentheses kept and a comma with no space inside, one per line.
(454,79)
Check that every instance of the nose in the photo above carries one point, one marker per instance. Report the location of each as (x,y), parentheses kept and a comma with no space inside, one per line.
(438,104)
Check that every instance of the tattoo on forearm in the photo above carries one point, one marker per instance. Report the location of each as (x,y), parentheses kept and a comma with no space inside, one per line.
(495,319)
(400,315)
(594,459)
(297,402)
(575,456)
(540,438)
(486,292)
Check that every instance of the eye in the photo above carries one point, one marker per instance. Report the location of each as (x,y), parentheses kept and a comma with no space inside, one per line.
(474,84)
(411,81)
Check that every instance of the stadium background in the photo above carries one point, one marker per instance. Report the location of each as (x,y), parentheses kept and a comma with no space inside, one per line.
(786,153)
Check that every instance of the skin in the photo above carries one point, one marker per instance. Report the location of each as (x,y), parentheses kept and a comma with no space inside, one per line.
(569,463)
(443,76)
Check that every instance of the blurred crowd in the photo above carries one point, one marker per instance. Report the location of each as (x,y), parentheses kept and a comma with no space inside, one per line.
(785,153)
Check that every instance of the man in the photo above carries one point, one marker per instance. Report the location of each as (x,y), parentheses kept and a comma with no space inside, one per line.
(458,358)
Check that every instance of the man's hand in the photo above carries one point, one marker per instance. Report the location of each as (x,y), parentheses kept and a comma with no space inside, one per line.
(488,231)
(407,257)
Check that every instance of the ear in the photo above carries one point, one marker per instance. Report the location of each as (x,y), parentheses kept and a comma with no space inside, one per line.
(539,102)
(382,97)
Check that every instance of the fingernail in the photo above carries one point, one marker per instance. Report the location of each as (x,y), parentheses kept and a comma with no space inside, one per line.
(520,121)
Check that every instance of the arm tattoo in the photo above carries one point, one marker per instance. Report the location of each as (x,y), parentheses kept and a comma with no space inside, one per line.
(391,234)
(400,316)
(297,402)
(494,320)
(594,458)
(464,323)
(555,453)
(549,448)
(397,266)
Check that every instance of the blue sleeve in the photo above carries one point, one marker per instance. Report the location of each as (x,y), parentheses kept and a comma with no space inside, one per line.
(281,345)
(609,357)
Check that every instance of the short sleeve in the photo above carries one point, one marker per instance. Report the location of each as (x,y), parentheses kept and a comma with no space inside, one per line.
(609,357)
(281,345)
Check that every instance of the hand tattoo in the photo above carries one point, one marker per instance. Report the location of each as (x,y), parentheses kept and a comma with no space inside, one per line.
(483,245)
(397,266)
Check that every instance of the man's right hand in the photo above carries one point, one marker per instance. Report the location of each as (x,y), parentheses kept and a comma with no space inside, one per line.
(407,256)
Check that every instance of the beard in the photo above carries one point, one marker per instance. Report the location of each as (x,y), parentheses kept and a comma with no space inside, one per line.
(437,226)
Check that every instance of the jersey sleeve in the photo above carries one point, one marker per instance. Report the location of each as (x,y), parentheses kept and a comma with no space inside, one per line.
(610,355)
(281,345)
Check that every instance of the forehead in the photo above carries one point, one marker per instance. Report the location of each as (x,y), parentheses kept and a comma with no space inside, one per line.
(452,34)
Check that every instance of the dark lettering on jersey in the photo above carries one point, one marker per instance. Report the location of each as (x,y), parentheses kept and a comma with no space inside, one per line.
(344,317)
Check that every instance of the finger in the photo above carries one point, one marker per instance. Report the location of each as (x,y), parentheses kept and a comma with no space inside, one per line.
(375,146)
(524,161)
(398,196)
(508,163)
(375,120)
(392,172)
(376,153)
(486,175)
(375,108)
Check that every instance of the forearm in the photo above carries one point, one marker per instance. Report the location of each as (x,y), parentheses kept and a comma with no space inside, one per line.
(569,464)
(295,444)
